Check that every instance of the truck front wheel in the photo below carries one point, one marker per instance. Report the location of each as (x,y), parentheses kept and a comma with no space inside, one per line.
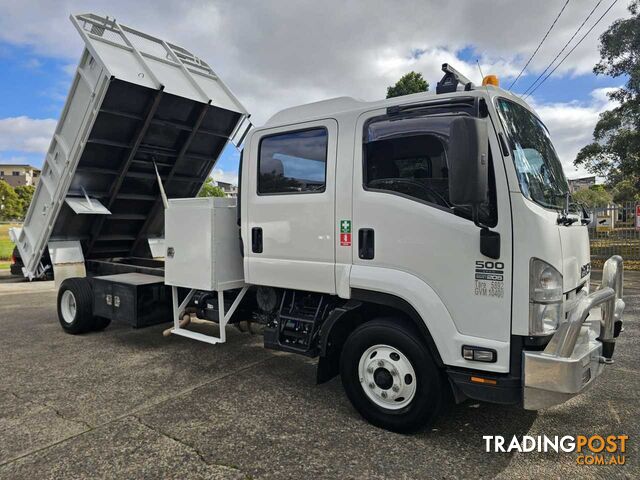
(75,306)
(390,377)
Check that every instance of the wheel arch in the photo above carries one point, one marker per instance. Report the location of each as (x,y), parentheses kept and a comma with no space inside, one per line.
(401,306)
(346,318)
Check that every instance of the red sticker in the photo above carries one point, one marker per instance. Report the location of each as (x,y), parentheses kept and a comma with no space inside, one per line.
(345,239)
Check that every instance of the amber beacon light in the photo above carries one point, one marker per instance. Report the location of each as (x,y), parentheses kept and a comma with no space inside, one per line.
(491,80)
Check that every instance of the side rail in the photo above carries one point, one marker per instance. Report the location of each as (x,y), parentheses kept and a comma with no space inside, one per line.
(611,322)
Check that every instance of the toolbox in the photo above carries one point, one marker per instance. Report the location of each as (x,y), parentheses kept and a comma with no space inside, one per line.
(138,299)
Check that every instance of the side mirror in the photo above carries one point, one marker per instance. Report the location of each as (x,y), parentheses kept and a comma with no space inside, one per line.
(469,174)
(468,162)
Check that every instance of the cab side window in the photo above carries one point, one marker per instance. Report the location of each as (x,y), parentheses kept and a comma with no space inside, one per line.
(408,157)
(415,166)
(293,162)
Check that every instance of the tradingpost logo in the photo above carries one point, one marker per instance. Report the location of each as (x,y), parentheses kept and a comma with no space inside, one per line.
(590,449)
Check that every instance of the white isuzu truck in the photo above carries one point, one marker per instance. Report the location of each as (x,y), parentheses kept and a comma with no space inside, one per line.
(424,248)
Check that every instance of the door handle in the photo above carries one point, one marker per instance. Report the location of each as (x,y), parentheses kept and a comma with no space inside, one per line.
(256,239)
(366,243)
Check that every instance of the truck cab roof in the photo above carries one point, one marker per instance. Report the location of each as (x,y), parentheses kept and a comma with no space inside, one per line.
(342,105)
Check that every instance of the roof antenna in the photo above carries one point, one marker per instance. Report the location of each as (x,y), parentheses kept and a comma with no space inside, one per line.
(165,202)
(486,87)
(481,74)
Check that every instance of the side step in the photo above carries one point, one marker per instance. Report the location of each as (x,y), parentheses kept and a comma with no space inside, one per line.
(298,323)
(183,332)
(223,318)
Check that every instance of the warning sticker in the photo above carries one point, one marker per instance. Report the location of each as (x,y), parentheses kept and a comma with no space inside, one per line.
(345,233)
(489,278)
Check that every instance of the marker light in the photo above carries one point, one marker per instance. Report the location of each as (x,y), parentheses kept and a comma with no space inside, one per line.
(491,80)
(489,381)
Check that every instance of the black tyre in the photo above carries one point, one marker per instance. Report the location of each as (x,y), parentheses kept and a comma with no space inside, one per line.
(75,306)
(100,323)
(390,376)
(16,264)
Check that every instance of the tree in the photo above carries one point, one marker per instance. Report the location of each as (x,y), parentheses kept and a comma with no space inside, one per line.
(210,190)
(25,194)
(625,191)
(10,206)
(615,151)
(412,82)
(596,195)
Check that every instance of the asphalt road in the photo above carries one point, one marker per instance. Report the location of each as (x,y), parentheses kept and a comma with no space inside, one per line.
(127,403)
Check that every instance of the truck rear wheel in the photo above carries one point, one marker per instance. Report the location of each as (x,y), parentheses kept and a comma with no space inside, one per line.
(75,306)
(390,377)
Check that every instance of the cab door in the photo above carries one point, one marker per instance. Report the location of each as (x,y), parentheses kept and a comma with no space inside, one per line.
(403,221)
(289,234)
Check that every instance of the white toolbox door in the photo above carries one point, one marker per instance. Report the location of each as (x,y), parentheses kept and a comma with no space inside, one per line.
(189,257)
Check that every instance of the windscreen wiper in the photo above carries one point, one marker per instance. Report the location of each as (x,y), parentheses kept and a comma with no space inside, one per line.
(564,219)
(563,215)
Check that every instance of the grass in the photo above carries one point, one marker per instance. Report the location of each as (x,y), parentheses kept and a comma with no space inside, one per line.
(6,245)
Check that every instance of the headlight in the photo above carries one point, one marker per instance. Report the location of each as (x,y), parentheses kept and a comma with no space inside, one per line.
(545,298)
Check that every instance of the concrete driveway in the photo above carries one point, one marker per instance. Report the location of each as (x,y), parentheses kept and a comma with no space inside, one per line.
(127,403)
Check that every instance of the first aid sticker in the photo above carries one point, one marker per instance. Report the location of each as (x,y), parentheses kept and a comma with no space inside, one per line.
(345,233)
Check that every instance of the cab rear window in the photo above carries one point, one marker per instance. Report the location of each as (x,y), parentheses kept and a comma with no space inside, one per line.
(293,162)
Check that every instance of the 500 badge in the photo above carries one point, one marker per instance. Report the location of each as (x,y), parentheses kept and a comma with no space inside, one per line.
(489,279)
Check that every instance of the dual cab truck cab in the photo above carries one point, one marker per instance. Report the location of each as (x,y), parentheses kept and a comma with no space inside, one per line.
(439,230)
(422,247)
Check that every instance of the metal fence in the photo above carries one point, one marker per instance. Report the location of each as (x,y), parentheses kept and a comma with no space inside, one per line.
(613,231)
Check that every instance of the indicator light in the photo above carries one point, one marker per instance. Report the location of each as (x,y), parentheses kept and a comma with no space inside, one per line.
(479,354)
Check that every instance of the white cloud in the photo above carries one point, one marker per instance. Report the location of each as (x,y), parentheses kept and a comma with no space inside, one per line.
(13,160)
(277,54)
(392,64)
(32,64)
(69,69)
(24,134)
(225,176)
(571,125)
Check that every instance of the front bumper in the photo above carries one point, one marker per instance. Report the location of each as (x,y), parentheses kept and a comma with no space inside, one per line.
(579,350)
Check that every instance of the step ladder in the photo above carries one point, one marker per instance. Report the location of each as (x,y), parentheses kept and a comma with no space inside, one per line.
(223,318)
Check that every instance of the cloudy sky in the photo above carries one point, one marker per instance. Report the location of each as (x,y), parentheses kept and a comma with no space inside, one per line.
(274,54)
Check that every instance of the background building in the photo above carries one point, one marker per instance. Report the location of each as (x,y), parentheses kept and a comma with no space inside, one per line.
(19,175)
(229,189)
(581,183)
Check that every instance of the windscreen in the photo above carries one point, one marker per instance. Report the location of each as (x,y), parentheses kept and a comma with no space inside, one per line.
(537,165)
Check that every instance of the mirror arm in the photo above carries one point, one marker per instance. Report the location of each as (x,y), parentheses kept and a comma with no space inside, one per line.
(586,216)
(475,215)
(489,240)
